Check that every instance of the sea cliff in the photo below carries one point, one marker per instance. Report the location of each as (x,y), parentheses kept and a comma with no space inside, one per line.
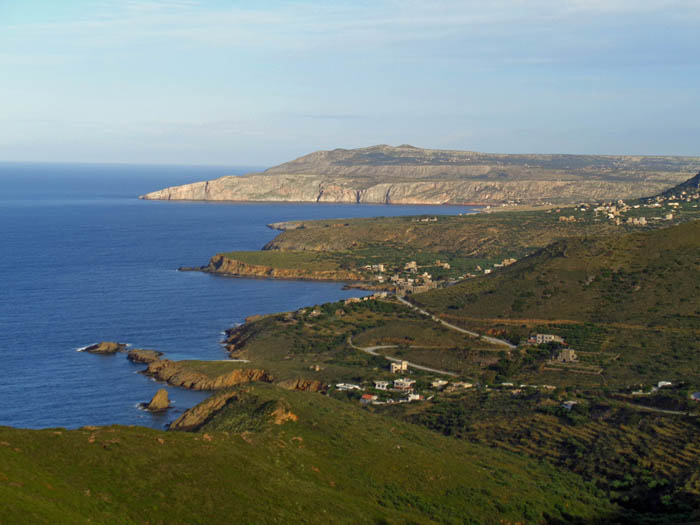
(408,175)
(222,265)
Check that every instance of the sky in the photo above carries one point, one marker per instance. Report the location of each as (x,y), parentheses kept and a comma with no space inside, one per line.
(262,82)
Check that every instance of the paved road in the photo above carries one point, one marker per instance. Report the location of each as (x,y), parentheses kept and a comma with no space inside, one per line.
(493,340)
(372,350)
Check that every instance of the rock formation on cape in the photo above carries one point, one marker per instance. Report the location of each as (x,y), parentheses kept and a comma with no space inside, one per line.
(159,402)
(409,175)
(143,356)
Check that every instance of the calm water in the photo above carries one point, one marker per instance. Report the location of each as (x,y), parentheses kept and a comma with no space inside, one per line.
(82,260)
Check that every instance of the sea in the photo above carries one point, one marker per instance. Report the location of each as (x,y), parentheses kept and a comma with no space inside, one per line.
(83,260)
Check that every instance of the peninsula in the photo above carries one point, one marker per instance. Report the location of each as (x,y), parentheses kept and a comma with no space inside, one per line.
(409,175)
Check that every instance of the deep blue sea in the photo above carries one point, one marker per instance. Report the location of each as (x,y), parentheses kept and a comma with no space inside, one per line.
(83,260)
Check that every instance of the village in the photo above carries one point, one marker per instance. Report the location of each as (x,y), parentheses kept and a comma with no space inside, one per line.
(405,390)
(409,279)
(621,213)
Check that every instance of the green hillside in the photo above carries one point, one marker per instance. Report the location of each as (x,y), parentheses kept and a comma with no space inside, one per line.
(274,456)
(651,278)
(631,296)
(646,461)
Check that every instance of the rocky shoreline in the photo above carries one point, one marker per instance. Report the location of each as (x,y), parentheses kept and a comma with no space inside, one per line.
(222,379)
(407,175)
(227,267)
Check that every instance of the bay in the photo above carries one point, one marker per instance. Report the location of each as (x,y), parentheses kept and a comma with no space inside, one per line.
(83,260)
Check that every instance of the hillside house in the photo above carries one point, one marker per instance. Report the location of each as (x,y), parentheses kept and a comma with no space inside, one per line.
(347,386)
(568,355)
(438,383)
(395,368)
(404,384)
(424,287)
(542,339)
(381,385)
(368,398)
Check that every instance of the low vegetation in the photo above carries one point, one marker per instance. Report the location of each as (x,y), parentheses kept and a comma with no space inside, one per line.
(644,461)
(280,456)
(627,303)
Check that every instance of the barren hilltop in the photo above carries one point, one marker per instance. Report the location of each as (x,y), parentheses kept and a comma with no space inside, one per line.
(409,175)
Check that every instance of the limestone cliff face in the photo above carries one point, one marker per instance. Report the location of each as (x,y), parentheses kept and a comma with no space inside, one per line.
(226,266)
(180,374)
(408,175)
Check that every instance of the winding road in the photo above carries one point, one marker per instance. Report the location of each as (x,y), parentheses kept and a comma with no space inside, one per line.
(494,340)
(372,350)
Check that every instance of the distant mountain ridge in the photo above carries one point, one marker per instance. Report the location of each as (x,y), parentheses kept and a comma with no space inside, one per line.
(409,175)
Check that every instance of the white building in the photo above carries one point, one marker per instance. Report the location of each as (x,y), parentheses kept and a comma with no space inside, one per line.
(403,384)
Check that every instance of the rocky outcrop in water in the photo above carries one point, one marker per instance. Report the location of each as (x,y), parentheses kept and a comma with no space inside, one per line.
(159,402)
(106,347)
(408,175)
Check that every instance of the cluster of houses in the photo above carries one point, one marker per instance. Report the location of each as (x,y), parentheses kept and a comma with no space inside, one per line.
(374,296)
(409,279)
(406,280)
(404,386)
(614,211)
(675,199)
(401,386)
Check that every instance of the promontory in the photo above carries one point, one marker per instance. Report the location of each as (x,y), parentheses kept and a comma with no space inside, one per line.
(409,175)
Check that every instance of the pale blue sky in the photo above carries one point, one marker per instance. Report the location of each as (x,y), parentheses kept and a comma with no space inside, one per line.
(258,83)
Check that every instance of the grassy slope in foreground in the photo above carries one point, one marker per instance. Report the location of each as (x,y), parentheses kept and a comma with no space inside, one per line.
(325,461)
